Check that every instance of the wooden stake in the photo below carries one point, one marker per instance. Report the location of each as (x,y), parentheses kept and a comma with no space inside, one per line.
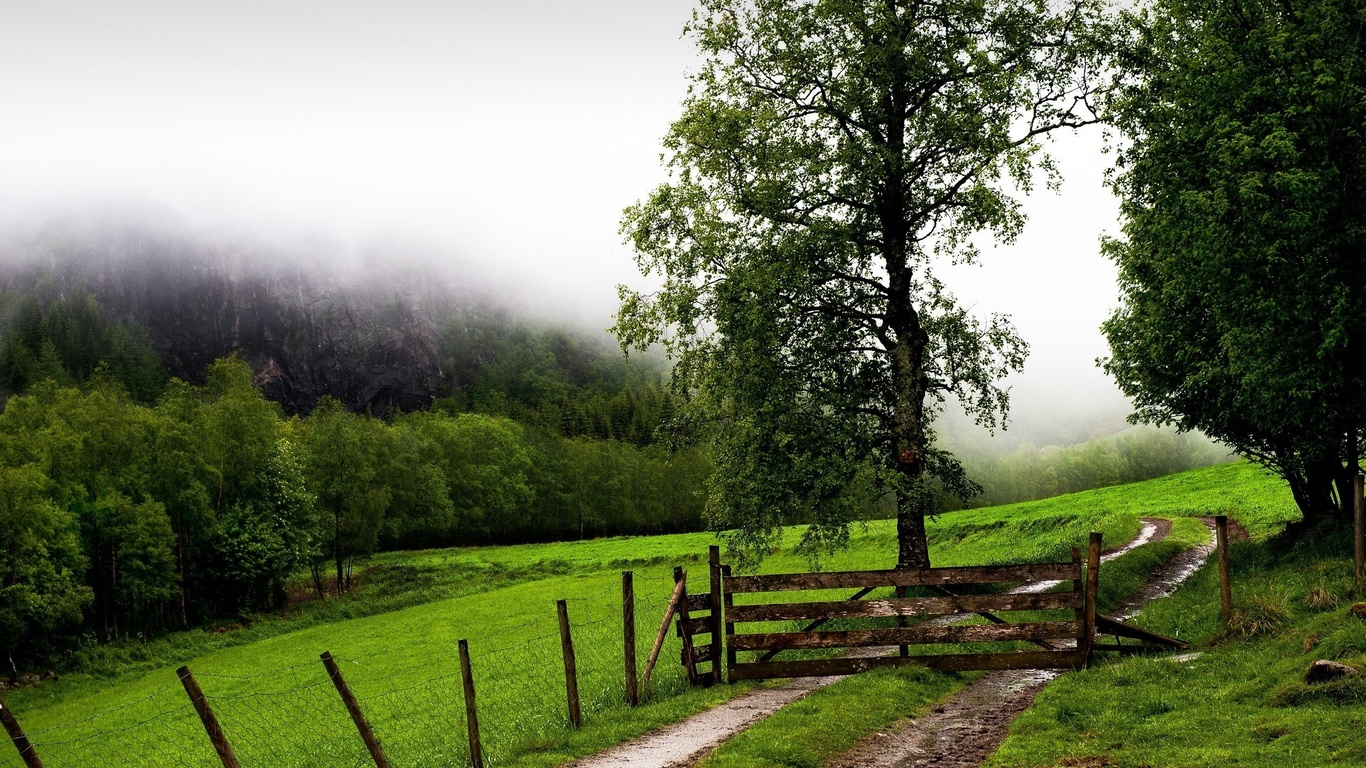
(206,716)
(571,670)
(1078,589)
(628,635)
(352,706)
(1225,583)
(714,556)
(1092,593)
(21,742)
(684,618)
(471,714)
(729,600)
(679,586)
(1359,528)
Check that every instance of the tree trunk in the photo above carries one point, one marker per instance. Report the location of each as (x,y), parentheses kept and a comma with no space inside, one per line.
(908,339)
(337,546)
(1311,485)
(317,569)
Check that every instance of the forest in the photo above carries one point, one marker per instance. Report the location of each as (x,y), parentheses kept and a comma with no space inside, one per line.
(133,502)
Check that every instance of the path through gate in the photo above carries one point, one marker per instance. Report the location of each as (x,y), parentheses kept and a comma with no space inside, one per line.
(926,613)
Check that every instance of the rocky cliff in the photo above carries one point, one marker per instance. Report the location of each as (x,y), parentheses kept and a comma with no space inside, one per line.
(367,336)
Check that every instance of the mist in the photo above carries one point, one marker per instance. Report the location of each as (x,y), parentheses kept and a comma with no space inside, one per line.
(486,146)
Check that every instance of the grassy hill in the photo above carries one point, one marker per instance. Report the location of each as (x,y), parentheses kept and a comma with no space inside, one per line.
(279,708)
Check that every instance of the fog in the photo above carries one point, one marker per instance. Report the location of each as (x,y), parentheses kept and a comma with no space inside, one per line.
(499,141)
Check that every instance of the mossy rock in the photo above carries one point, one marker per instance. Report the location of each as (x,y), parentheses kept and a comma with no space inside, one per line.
(1345,691)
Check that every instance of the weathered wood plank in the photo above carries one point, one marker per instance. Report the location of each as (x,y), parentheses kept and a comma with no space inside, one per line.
(700,602)
(691,627)
(681,587)
(860,638)
(1109,626)
(948,663)
(714,556)
(912,606)
(918,577)
(701,653)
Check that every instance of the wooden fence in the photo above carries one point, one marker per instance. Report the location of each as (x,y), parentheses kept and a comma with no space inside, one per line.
(940,611)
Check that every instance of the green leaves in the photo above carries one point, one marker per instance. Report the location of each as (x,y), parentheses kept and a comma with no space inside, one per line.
(828,152)
(1241,260)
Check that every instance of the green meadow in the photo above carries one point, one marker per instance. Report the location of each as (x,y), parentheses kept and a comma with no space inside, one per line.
(397,647)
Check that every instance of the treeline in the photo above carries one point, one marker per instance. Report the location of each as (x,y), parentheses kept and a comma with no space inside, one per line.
(552,379)
(62,336)
(546,377)
(1138,453)
(120,519)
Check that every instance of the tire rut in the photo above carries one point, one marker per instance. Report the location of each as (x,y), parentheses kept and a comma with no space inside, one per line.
(967,728)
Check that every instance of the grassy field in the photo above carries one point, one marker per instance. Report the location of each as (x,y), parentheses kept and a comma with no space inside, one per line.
(398,646)
(1242,702)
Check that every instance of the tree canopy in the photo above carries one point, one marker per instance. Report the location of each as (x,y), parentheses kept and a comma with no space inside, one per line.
(828,154)
(1243,206)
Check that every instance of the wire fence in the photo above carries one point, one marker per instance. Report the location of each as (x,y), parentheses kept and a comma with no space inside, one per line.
(295,717)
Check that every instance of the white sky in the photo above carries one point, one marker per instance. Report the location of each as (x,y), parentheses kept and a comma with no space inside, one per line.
(512,133)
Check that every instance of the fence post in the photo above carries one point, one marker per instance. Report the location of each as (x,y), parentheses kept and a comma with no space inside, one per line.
(714,555)
(1092,593)
(471,715)
(16,735)
(349,699)
(628,635)
(1225,585)
(206,716)
(1078,589)
(1359,529)
(730,625)
(571,670)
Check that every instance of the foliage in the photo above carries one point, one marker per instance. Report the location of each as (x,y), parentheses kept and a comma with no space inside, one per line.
(552,380)
(1138,453)
(340,465)
(125,520)
(62,336)
(1242,193)
(828,152)
(41,594)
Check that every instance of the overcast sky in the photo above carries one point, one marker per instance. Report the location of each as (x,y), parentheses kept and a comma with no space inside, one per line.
(512,134)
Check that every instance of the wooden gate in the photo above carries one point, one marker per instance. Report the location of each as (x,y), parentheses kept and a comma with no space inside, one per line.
(698,616)
(949,600)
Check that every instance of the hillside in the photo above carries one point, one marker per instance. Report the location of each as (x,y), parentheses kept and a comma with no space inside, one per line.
(385,332)
(501,598)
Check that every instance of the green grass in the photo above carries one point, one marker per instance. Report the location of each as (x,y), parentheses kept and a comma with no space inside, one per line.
(396,639)
(804,734)
(1242,702)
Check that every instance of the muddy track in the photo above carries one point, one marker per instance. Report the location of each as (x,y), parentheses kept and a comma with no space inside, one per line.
(967,728)
(976,714)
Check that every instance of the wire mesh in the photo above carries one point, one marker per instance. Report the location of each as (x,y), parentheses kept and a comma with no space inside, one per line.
(160,729)
(295,718)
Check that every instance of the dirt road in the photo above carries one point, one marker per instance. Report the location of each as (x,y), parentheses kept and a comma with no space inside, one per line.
(969,727)
(962,731)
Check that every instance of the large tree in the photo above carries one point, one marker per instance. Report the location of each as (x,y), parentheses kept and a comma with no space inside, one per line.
(1244,248)
(829,153)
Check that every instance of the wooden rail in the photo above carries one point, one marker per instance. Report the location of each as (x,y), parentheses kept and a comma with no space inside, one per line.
(1076,601)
